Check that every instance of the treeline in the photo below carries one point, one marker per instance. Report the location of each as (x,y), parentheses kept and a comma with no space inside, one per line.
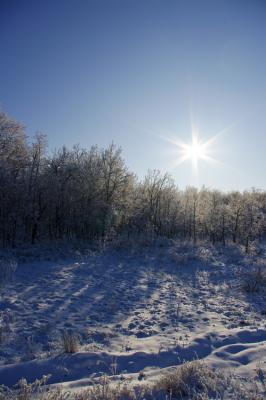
(91,195)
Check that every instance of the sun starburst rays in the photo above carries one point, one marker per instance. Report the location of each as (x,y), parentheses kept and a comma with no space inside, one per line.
(194,150)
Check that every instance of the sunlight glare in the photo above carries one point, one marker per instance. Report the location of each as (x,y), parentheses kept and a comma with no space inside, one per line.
(194,151)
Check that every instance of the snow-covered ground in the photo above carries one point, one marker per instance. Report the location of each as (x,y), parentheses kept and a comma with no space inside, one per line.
(133,310)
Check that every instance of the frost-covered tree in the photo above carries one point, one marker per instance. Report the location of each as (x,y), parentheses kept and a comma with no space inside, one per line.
(90,195)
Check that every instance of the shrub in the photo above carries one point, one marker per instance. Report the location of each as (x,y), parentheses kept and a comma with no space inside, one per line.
(70,342)
(28,391)
(253,281)
(193,380)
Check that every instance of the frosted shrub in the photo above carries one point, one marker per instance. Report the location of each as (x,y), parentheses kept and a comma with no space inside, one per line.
(255,280)
(29,391)
(193,380)
(70,342)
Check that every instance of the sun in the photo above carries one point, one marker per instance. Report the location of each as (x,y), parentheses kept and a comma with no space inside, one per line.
(194,151)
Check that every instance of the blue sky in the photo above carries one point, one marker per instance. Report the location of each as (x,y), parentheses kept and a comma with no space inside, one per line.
(132,72)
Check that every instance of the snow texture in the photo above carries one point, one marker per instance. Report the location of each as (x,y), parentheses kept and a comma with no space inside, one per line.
(131,310)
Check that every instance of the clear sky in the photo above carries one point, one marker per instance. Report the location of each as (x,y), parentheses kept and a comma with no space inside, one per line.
(137,71)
